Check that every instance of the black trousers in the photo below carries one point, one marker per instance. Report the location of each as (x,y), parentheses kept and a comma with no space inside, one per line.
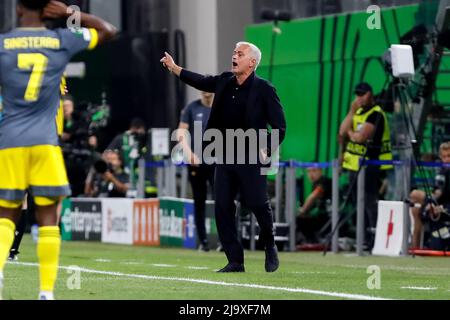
(246,179)
(371,197)
(199,178)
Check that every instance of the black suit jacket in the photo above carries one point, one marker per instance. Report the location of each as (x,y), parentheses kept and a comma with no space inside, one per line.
(263,105)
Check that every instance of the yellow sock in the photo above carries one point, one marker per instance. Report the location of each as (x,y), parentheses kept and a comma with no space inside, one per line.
(7,230)
(48,247)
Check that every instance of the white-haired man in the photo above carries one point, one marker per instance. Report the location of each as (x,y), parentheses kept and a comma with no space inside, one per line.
(242,101)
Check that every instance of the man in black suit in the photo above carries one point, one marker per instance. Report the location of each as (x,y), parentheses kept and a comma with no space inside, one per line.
(243,102)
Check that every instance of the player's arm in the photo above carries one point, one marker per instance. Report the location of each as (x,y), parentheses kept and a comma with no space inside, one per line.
(105,30)
(181,137)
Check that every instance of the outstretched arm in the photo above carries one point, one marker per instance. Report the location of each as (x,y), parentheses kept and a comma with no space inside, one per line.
(192,158)
(198,81)
(105,30)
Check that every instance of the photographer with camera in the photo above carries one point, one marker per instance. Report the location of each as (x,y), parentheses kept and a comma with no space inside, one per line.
(106,178)
(131,144)
(433,211)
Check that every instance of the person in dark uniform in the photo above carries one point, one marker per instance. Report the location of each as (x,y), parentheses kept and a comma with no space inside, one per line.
(242,102)
(197,113)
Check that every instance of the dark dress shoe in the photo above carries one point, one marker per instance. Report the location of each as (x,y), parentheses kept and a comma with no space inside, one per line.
(233,267)
(203,247)
(272,262)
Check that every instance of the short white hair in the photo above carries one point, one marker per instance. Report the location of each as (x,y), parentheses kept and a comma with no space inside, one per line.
(255,51)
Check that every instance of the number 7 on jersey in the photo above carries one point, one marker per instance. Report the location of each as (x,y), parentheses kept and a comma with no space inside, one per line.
(37,62)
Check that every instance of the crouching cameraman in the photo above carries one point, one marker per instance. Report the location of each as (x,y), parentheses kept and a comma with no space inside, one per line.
(106,178)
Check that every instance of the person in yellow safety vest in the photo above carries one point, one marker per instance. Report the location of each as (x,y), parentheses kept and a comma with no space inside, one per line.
(367,133)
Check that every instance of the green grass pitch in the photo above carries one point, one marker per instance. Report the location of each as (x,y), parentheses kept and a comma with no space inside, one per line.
(112,272)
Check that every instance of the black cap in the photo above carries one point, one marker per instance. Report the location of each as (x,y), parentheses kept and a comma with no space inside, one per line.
(137,123)
(363,88)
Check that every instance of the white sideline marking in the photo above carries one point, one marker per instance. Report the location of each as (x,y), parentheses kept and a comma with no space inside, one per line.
(130,263)
(162,265)
(197,268)
(102,260)
(420,288)
(218,283)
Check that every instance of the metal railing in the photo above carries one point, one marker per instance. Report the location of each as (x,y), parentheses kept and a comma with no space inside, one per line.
(166,177)
(167,172)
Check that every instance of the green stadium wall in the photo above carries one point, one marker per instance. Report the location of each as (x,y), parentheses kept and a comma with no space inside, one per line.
(317,63)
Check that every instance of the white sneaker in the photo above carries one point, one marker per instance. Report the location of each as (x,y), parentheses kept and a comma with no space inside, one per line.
(1,285)
(46,296)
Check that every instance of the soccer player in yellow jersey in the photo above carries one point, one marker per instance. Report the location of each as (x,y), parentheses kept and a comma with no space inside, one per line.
(20,226)
(32,63)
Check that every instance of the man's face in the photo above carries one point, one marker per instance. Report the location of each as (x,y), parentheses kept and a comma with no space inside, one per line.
(445,156)
(365,99)
(113,159)
(207,95)
(242,60)
(314,174)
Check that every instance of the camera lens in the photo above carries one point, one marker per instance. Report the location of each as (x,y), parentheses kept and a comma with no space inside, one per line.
(101,166)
